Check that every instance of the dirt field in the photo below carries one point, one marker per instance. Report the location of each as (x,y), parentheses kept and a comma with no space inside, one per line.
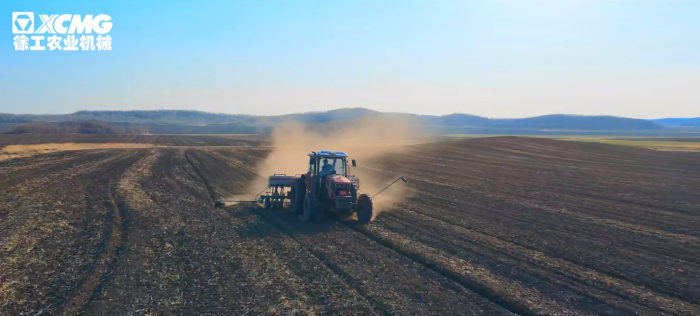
(165,140)
(666,144)
(495,226)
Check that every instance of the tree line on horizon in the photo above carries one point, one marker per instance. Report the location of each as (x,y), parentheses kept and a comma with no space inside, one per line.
(79,127)
(236,123)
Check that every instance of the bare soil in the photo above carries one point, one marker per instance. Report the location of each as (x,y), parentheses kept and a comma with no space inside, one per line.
(164,140)
(494,226)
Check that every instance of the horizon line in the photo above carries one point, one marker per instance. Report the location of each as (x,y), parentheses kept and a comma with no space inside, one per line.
(353,108)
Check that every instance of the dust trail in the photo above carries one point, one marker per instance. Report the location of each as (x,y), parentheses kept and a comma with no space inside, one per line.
(397,193)
(363,140)
(20,151)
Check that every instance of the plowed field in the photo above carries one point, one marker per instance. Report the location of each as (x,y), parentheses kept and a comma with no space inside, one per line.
(167,140)
(494,226)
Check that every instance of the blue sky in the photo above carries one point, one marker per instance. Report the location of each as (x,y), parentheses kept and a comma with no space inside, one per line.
(515,58)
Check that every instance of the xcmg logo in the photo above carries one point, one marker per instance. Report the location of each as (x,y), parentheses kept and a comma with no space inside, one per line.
(23,23)
(69,24)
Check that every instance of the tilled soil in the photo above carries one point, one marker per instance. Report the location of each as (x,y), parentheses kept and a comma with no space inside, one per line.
(493,226)
(165,140)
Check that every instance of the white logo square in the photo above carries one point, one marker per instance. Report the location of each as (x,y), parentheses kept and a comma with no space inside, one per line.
(23,22)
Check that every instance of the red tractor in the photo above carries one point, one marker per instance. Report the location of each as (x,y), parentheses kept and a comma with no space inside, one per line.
(328,185)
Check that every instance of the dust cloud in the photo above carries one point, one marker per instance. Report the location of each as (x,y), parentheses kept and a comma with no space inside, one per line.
(363,140)
(21,151)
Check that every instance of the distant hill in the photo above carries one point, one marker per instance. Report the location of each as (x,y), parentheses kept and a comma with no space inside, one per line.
(183,117)
(693,121)
(560,121)
(186,121)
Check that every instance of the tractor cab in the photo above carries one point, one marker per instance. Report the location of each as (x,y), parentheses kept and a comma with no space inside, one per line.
(328,162)
(328,169)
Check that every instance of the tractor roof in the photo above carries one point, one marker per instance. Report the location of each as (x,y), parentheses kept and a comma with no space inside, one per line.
(329,153)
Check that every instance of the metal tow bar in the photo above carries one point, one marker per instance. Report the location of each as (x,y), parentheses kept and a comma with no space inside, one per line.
(390,184)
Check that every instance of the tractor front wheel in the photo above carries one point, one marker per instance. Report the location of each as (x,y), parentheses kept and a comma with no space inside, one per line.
(310,208)
(365,209)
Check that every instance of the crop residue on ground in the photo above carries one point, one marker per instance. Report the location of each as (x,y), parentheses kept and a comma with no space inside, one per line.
(494,226)
(19,151)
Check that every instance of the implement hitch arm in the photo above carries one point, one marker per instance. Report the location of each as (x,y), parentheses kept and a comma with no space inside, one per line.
(390,184)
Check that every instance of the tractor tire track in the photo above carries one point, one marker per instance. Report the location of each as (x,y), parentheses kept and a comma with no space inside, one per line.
(114,231)
(470,284)
(65,229)
(444,289)
(210,189)
(348,279)
(115,247)
(345,279)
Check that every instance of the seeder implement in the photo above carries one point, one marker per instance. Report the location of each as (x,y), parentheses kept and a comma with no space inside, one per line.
(273,196)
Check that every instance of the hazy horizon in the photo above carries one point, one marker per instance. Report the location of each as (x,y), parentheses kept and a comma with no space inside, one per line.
(498,59)
(347,108)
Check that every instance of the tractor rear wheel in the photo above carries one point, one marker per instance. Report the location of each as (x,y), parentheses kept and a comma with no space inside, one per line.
(365,209)
(310,208)
(296,201)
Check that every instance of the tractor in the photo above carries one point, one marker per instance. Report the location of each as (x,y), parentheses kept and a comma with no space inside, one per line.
(327,185)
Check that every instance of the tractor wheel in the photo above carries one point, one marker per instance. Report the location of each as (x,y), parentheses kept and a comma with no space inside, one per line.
(310,208)
(365,210)
(268,203)
(296,201)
